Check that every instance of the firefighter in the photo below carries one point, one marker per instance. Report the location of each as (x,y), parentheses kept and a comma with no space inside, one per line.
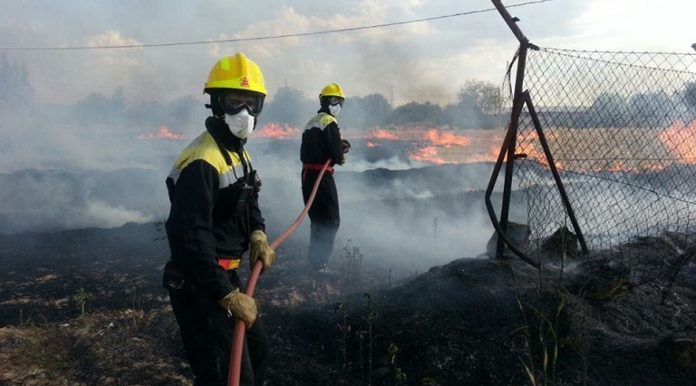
(321,141)
(214,218)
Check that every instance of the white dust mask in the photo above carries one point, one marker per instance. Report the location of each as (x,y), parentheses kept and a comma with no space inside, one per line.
(241,124)
(334,109)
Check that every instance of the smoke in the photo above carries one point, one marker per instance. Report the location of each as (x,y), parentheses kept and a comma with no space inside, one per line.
(102,162)
(414,234)
(101,214)
(51,200)
(403,214)
(405,219)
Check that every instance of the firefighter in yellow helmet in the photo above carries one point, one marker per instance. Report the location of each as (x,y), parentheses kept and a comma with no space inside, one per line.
(214,218)
(321,141)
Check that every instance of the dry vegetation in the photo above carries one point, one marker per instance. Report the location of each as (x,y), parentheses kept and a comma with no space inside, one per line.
(472,321)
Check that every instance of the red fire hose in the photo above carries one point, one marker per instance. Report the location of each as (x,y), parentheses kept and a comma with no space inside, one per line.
(239,327)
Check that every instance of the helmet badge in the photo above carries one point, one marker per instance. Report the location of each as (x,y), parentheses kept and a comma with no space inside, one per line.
(244,82)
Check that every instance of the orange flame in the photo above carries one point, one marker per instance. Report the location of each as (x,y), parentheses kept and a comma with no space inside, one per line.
(382,134)
(573,149)
(276,131)
(448,146)
(680,138)
(427,154)
(436,140)
(531,147)
(485,155)
(440,146)
(445,138)
(163,133)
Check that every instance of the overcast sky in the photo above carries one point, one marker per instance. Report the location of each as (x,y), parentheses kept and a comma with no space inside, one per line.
(420,61)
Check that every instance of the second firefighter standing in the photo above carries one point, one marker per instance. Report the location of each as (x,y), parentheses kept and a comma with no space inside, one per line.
(321,141)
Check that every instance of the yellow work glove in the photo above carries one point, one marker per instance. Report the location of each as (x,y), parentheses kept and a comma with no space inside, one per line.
(240,306)
(260,250)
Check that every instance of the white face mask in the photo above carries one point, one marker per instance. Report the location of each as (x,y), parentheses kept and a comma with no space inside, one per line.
(241,124)
(334,109)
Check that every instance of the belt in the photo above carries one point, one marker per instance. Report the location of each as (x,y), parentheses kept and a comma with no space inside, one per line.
(329,169)
(228,263)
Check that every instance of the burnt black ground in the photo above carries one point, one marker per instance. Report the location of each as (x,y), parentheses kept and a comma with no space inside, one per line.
(462,323)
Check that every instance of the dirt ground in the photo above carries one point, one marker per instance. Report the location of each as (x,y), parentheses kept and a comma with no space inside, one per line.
(86,308)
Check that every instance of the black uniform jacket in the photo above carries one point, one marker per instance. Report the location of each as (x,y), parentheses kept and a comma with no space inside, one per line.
(321,140)
(213,212)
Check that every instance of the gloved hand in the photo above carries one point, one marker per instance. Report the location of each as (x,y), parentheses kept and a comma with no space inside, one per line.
(240,306)
(260,250)
(345,146)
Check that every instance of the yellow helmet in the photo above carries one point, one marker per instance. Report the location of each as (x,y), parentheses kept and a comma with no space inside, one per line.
(332,89)
(236,72)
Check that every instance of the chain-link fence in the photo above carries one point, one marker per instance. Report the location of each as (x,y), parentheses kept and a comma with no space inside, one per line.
(621,127)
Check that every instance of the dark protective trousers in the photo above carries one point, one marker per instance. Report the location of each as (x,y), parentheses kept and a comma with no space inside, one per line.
(207,332)
(323,214)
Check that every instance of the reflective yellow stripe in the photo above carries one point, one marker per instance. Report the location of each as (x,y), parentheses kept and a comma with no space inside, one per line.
(204,148)
(320,121)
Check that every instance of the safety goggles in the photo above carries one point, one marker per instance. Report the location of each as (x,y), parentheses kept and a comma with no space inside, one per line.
(336,101)
(233,102)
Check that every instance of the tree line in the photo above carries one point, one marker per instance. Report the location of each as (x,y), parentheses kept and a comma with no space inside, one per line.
(646,109)
(478,104)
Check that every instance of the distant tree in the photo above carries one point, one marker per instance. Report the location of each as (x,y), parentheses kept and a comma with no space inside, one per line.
(376,108)
(181,113)
(649,109)
(14,81)
(608,101)
(145,114)
(101,107)
(463,115)
(690,95)
(415,112)
(608,110)
(649,103)
(289,106)
(182,108)
(484,95)
(477,106)
(365,112)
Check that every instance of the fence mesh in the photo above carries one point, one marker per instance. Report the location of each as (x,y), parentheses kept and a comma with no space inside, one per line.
(622,129)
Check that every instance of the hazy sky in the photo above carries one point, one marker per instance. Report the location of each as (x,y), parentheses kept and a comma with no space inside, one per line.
(421,61)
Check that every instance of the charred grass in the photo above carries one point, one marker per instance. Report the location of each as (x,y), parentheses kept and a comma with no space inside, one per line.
(459,323)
